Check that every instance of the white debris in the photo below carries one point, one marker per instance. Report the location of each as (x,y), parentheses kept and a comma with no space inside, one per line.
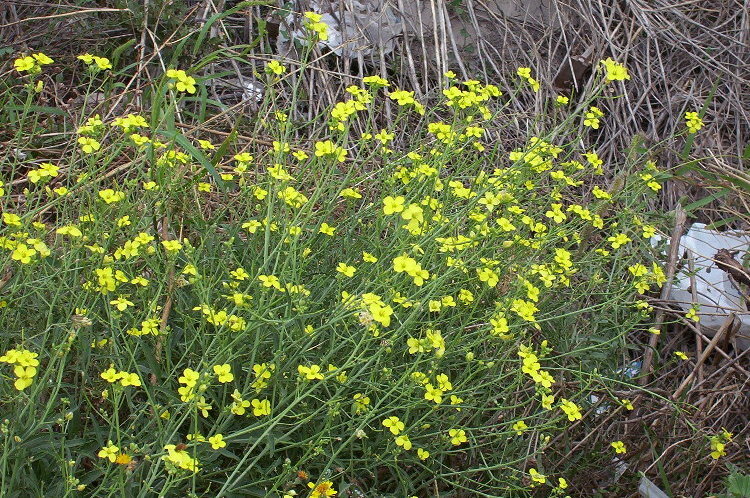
(647,489)
(251,90)
(717,293)
(362,28)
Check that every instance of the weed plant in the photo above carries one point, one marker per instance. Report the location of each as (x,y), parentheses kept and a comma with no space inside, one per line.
(188,315)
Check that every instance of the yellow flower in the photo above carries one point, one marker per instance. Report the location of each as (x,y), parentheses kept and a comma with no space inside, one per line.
(217,441)
(25,64)
(393,205)
(261,407)
(600,194)
(324,488)
(614,70)
(619,446)
(224,373)
(537,477)
(403,441)
(328,148)
(693,122)
(458,436)
(717,450)
(252,226)
(719,442)
(24,376)
(300,155)
(270,281)
(376,81)
(121,303)
(346,270)
(183,82)
(88,144)
(110,375)
(11,219)
(314,24)
(592,117)
(394,425)
(423,454)
(402,97)
(433,393)
(618,240)
(111,196)
(189,377)
(350,193)
(203,406)
(180,458)
(488,276)
(310,373)
(130,379)
(46,170)
(109,452)
(239,405)
(692,314)
(275,67)
(171,246)
(681,355)
(32,64)
(524,72)
(520,427)
(327,229)
(23,254)
(570,409)
(361,403)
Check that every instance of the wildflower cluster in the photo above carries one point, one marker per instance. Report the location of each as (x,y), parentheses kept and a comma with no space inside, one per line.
(32,64)
(693,122)
(180,81)
(23,249)
(593,116)
(342,111)
(645,277)
(410,266)
(180,458)
(124,378)
(473,100)
(25,365)
(317,303)
(95,61)
(406,98)
(313,22)
(614,71)
(532,367)
(525,74)
(190,386)
(719,443)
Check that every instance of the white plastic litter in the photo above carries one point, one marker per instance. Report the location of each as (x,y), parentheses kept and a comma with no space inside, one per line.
(718,295)
(647,489)
(251,90)
(362,28)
